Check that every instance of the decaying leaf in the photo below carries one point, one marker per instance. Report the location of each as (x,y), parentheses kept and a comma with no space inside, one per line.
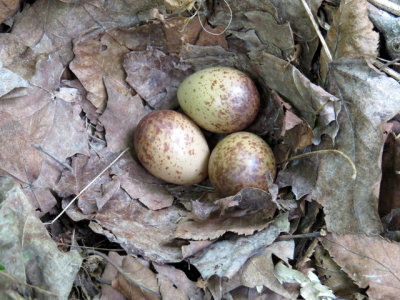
(107,292)
(370,261)
(179,4)
(160,76)
(259,270)
(28,251)
(175,285)
(94,59)
(146,285)
(123,113)
(10,81)
(225,258)
(369,100)
(350,35)
(7,9)
(311,288)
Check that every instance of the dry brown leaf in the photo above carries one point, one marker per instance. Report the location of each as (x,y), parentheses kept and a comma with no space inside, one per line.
(333,276)
(84,169)
(372,262)
(294,13)
(194,246)
(141,185)
(123,113)
(225,258)
(314,104)
(140,231)
(7,9)
(351,34)
(141,37)
(107,292)
(94,59)
(142,275)
(155,76)
(207,39)
(389,196)
(370,99)
(259,270)
(180,31)
(175,285)
(179,4)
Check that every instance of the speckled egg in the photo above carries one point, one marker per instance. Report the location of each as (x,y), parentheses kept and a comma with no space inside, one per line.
(172,147)
(219,99)
(240,160)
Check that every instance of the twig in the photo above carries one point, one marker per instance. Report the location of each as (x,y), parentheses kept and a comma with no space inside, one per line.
(86,187)
(316,28)
(126,275)
(40,290)
(387,5)
(301,236)
(38,147)
(389,71)
(353,166)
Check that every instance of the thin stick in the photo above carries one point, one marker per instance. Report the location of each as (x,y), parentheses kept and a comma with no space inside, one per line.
(301,236)
(86,187)
(353,166)
(389,71)
(387,5)
(38,147)
(227,26)
(316,28)
(40,290)
(126,275)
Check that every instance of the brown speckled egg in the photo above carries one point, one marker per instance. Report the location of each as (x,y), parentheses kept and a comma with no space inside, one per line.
(219,99)
(172,147)
(240,160)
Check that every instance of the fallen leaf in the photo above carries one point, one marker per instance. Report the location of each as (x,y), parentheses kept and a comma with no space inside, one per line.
(389,195)
(123,113)
(10,81)
(370,261)
(175,285)
(107,292)
(94,59)
(259,270)
(225,258)
(160,76)
(333,276)
(351,34)
(140,231)
(216,38)
(194,246)
(295,14)
(28,251)
(179,4)
(141,185)
(7,9)
(314,104)
(142,275)
(311,288)
(371,99)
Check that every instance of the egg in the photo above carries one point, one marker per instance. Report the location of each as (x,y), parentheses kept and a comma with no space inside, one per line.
(219,99)
(172,147)
(240,160)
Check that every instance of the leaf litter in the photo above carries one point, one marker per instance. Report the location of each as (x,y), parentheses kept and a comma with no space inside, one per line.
(76,78)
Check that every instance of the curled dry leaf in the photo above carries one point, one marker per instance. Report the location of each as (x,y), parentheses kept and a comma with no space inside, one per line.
(370,261)
(248,211)
(160,76)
